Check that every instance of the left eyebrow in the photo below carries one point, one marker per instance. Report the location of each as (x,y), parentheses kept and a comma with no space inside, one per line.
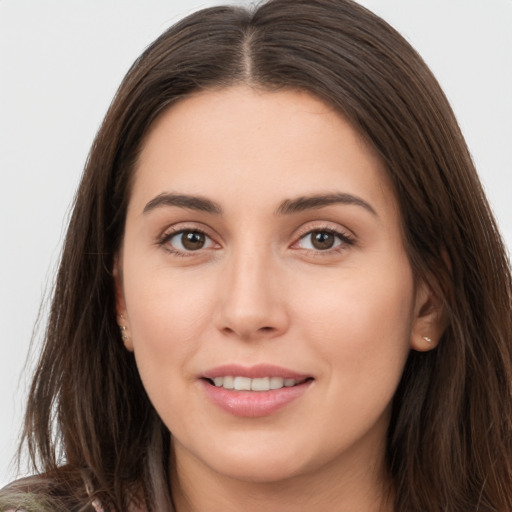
(301,204)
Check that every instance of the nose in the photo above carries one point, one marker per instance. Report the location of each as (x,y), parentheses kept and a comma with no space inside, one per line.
(252,300)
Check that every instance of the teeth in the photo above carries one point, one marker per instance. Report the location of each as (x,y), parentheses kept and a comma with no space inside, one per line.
(242,384)
(224,382)
(258,384)
(228,382)
(276,382)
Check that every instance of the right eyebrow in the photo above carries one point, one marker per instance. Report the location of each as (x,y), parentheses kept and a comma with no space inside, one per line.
(190,202)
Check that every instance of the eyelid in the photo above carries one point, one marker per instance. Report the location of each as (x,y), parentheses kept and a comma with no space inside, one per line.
(179,227)
(323,226)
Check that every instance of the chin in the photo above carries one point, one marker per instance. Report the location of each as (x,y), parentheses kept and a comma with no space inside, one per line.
(261,463)
(259,471)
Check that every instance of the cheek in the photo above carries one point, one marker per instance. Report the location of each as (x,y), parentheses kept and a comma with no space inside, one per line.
(167,319)
(167,313)
(360,325)
(361,319)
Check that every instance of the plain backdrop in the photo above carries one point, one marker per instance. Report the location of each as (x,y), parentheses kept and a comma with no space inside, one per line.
(60,64)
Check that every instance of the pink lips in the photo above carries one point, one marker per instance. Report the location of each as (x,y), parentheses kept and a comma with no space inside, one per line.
(253,404)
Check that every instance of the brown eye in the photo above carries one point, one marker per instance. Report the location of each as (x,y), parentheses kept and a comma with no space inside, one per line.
(189,241)
(192,240)
(322,240)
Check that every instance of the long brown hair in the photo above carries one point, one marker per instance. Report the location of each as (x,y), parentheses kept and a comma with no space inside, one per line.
(449,443)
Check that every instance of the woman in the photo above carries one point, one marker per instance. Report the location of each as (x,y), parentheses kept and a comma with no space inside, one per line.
(282,287)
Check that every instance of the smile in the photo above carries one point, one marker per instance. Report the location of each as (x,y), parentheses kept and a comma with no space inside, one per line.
(254,391)
(239,383)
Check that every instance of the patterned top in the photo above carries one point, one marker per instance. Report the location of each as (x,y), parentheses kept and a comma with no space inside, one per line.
(95,504)
(34,494)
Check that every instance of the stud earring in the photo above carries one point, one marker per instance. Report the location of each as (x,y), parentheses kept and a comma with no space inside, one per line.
(427,339)
(124,335)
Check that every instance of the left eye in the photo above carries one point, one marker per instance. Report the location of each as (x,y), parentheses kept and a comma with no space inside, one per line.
(190,240)
(321,240)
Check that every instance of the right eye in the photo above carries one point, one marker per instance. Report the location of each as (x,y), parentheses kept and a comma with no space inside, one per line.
(188,240)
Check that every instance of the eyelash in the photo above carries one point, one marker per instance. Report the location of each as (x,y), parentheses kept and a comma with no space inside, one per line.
(344,238)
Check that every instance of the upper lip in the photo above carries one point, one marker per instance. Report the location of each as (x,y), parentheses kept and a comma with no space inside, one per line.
(253,372)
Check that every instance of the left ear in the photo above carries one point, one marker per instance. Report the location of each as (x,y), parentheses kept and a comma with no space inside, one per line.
(429,320)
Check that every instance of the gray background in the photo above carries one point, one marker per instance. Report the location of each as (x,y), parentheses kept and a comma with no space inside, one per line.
(60,64)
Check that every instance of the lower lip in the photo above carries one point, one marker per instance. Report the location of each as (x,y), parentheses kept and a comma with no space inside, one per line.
(253,404)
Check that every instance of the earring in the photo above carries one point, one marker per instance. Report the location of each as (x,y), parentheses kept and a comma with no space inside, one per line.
(124,335)
(427,339)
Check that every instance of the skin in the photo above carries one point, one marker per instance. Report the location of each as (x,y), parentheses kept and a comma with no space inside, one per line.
(261,291)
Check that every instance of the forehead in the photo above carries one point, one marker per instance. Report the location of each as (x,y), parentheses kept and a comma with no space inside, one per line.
(253,143)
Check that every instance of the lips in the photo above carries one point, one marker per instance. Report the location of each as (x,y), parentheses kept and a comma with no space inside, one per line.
(253,391)
(253,372)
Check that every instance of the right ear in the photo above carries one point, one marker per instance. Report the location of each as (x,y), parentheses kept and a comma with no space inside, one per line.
(121,313)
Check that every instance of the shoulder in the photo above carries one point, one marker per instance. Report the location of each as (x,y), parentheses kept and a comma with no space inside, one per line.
(26,495)
(18,496)
(43,493)
(66,490)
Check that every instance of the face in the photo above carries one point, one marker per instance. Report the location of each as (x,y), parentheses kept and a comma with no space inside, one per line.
(264,286)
